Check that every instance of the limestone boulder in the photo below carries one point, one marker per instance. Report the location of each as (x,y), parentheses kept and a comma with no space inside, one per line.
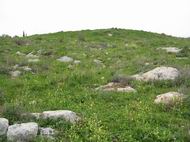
(24,132)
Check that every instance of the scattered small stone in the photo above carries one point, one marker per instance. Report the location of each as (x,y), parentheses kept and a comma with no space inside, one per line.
(102,77)
(146,64)
(97,61)
(15,66)
(77,62)
(15,73)
(33,102)
(39,52)
(67,115)
(171,49)
(110,34)
(4,124)
(22,132)
(169,98)
(118,87)
(26,68)
(84,54)
(65,59)
(32,56)
(181,58)
(159,73)
(33,60)
(47,133)
(19,53)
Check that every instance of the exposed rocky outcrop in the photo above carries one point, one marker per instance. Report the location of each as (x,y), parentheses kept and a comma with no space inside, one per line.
(169,98)
(23,132)
(159,73)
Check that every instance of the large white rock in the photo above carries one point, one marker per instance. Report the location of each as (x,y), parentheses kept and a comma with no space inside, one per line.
(171,49)
(47,133)
(112,86)
(159,73)
(22,132)
(65,59)
(67,115)
(169,98)
(4,124)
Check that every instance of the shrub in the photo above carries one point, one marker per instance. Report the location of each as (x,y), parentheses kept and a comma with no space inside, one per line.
(90,130)
(185,52)
(184,78)
(98,45)
(2,98)
(81,37)
(5,70)
(13,112)
(22,42)
(122,80)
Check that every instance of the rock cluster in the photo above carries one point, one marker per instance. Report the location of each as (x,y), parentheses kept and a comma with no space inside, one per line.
(159,73)
(30,56)
(25,132)
(112,86)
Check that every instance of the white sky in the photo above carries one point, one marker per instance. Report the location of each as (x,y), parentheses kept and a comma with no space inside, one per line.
(44,16)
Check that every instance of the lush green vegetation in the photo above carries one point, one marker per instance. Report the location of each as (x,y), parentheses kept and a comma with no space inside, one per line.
(106,116)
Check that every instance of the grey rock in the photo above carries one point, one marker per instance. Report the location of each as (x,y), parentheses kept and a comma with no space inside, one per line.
(159,73)
(15,66)
(26,68)
(32,56)
(171,49)
(47,133)
(169,98)
(97,61)
(15,73)
(4,124)
(65,59)
(67,115)
(112,86)
(24,132)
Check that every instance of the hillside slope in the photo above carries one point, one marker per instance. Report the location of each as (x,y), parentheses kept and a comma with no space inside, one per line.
(42,83)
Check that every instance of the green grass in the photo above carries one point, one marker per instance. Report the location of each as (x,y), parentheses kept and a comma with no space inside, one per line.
(106,116)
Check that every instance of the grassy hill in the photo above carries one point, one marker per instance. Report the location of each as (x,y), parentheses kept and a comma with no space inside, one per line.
(106,116)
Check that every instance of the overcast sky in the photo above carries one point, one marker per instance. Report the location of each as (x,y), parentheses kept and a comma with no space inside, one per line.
(43,16)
